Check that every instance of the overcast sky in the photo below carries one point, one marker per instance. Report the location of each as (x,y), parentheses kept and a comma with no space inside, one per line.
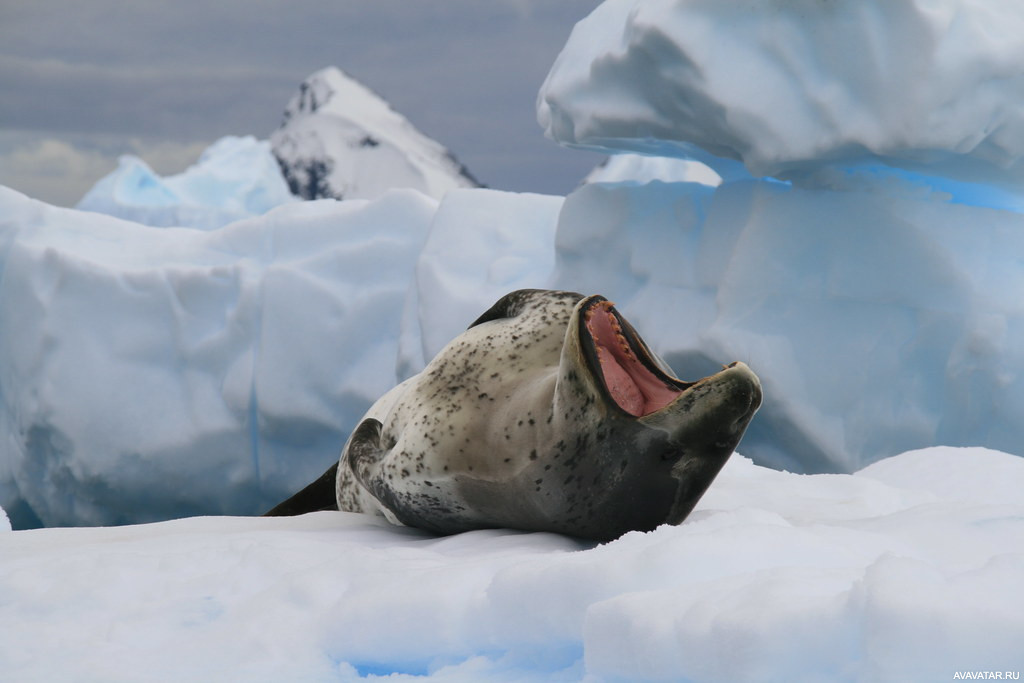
(82,81)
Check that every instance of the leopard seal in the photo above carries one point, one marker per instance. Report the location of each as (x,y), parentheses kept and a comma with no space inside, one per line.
(549,413)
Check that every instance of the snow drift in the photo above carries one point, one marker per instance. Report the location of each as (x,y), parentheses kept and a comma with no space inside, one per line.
(908,570)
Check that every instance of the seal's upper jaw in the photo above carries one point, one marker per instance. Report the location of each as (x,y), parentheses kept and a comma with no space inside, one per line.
(630,378)
(626,372)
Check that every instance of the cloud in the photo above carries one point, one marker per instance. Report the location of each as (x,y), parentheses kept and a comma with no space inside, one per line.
(463,71)
(60,171)
(53,95)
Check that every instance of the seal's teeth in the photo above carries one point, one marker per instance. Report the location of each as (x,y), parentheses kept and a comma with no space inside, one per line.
(620,337)
(626,348)
(605,306)
(620,345)
(589,313)
(616,325)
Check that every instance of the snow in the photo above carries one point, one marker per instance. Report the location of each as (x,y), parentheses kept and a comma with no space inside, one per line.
(775,576)
(339,139)
(235,178)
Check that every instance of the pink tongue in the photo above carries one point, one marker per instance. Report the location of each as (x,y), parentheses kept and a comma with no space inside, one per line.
(620,385)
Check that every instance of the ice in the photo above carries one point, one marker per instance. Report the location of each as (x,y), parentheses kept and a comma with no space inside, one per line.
(872,291)
(644,169)
(482,245)
(133,357)
(775,576)
(788,87)
(148,374)
(879,320)
(235,178)
(876,303)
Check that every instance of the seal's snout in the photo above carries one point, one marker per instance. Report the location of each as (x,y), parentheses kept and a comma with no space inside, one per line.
(742,389)
(718,408)
(746,386)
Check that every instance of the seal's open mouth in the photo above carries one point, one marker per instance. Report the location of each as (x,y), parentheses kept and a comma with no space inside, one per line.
(618,356)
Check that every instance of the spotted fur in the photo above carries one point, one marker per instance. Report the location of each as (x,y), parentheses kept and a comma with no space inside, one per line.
(509,426)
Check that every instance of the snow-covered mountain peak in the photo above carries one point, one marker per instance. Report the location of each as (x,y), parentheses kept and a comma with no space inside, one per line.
(340,139)
(332,91)
(314,92)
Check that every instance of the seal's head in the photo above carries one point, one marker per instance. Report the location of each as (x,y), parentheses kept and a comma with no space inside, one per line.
(549,413)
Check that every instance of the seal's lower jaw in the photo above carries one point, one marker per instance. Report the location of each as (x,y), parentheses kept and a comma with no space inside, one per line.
(721,405)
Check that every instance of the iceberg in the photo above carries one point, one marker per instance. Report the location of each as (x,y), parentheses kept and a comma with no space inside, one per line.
(859,253)
(149,374)
(482,244)
(235,178)
(785,88)
(877,323)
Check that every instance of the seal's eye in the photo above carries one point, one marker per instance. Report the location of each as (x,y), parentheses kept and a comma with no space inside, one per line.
(507,306)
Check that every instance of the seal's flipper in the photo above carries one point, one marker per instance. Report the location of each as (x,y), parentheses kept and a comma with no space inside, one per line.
(320,495)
